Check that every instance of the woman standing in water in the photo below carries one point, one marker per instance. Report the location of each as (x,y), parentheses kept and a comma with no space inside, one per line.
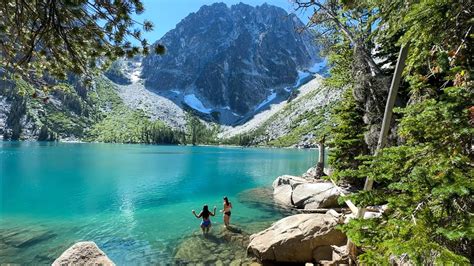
(226,210)
(205,215)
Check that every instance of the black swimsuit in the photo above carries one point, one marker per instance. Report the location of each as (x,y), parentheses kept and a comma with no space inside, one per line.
(228,212)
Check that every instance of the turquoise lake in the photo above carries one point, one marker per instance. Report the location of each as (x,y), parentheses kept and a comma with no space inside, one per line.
(134,201)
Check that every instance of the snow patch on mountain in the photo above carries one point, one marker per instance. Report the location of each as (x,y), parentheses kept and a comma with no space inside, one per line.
(278,120)
(137,70)
(260,118)
(318,67)
(270,98)
(196,104)
(232,56)
(157,106)
(301,77)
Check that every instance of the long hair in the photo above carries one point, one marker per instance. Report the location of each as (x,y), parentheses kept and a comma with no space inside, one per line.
(226,201)
(205,211)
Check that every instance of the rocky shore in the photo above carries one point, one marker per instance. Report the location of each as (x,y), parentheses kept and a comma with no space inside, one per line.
(312,236)
(307,237)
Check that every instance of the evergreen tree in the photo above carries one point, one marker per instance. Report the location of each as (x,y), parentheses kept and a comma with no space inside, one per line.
(45,37)
(347,137)
(198,132)
(425,177)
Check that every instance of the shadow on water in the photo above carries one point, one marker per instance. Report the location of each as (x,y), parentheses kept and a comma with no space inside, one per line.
(262,199)
(235,230)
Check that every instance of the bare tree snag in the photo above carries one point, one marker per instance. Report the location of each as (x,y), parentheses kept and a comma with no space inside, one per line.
(320,165)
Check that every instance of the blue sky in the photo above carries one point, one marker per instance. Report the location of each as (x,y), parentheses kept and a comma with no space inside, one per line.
(165,14)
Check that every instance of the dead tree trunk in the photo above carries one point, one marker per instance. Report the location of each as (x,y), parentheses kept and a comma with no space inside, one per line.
(320,165)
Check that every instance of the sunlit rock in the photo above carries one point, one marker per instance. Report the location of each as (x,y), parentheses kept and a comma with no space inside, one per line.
(83,253)
(298,238)
(305,193)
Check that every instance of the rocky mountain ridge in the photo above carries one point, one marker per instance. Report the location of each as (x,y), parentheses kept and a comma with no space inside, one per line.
(232,60)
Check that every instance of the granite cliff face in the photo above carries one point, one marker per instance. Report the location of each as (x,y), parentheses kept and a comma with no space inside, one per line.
(231,58)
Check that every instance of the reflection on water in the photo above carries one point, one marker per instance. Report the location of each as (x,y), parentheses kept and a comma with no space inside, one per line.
(134,201)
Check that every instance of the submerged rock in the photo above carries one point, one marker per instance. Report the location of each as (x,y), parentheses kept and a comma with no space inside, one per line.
(24,238)
(226,246)
(260,198)
(298,239)
(83,253)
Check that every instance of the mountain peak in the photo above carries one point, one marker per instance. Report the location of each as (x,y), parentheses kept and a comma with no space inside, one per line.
(232,59)
(218,5)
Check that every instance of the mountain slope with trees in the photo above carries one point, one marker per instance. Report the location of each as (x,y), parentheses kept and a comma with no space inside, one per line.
(424,174)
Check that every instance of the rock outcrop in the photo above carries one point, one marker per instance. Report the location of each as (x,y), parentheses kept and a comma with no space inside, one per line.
(305,193)
(298,239)
(83,253)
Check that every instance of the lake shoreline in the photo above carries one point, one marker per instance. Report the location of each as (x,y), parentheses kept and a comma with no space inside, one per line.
(149,144)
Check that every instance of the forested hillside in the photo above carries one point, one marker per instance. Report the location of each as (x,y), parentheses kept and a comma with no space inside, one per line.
(74,113)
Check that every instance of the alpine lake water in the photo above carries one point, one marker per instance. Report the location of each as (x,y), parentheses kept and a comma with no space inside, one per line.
(135,201)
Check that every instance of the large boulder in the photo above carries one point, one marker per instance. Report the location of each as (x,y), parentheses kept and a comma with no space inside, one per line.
(315,195)
(289,180)
(298,239)
(311,173)
(304,193)
(282,195)
(83,253)
(283,188)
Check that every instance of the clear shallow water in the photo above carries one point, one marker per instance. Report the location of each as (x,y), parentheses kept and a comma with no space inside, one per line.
(134,201)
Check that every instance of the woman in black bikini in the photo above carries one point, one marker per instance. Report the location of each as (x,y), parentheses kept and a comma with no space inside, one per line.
(226,210)
(205,215)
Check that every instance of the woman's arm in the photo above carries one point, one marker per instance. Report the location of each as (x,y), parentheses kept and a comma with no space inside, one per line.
(213,214)
(197,215)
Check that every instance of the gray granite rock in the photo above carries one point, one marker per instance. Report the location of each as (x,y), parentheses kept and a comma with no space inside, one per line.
(298,239)
(83,253)
(305,193)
